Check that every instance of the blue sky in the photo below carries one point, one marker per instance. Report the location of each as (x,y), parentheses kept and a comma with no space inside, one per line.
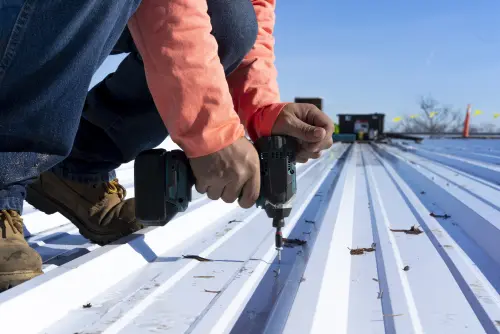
(380,55)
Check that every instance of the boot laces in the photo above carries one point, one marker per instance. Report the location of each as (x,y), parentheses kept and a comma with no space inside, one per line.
(13,219)
(114,187)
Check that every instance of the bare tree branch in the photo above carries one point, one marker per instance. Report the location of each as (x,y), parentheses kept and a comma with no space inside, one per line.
(484,128)
(433,118)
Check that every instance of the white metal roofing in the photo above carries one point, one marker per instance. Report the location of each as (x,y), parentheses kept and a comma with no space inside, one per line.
(444,280)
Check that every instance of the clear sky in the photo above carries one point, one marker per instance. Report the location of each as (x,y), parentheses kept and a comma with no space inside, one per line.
(380,55)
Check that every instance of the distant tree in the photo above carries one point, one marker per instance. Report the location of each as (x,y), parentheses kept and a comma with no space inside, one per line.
(483,128)
(489,127)
(432,118)
(474,129)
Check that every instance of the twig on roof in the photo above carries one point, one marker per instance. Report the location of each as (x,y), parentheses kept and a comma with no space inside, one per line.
(360,251)
(196,257)
(412,230)
(445,216)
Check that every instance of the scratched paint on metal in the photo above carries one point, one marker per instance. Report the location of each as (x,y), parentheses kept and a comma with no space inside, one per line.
(443,280)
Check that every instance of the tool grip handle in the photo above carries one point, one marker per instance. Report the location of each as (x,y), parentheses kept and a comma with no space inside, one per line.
(180,179)
(277,156)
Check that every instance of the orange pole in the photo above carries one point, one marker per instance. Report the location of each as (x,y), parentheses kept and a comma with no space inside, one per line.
(466,122)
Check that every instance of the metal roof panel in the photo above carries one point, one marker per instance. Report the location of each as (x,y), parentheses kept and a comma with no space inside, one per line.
(363,269)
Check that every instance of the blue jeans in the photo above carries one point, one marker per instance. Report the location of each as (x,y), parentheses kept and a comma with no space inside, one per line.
(49,51)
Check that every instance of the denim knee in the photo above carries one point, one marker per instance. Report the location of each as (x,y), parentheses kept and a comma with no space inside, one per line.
(234,26)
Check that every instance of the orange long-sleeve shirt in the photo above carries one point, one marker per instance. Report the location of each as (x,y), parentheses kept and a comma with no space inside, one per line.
(203,111)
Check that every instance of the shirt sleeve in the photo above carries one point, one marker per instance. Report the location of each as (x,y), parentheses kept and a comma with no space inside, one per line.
(185,75)
(253,85)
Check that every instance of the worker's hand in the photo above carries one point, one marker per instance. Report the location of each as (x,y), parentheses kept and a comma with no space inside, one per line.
(227,173)
(312,127)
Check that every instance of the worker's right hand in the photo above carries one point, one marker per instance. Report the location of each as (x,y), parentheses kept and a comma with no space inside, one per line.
(227,173)
(312,127)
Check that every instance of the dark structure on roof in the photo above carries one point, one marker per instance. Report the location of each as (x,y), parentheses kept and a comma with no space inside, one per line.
(367,127)
(354,123)
(317,101)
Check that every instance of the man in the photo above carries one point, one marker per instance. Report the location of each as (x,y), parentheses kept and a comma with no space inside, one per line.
(203,69)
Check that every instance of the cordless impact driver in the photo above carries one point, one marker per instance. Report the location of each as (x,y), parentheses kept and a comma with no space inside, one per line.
(164,182)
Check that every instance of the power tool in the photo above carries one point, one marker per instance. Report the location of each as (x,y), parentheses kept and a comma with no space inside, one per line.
(164,182)
(278,180)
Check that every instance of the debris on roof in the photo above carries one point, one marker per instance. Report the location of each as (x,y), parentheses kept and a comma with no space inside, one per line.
(412,230)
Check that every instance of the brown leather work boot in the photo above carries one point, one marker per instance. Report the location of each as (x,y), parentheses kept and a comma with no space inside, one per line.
(18,261)
(98,210)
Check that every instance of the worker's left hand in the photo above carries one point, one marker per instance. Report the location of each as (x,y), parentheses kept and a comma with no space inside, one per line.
(312,127)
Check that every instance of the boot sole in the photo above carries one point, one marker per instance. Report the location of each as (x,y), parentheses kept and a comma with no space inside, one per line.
(10,280)
(51,206)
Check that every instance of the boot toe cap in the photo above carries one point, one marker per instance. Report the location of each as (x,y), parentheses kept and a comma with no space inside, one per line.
(18,256)
(18,263)
(123,216)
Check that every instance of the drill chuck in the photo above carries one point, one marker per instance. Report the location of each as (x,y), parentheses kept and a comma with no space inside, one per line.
(279,237)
